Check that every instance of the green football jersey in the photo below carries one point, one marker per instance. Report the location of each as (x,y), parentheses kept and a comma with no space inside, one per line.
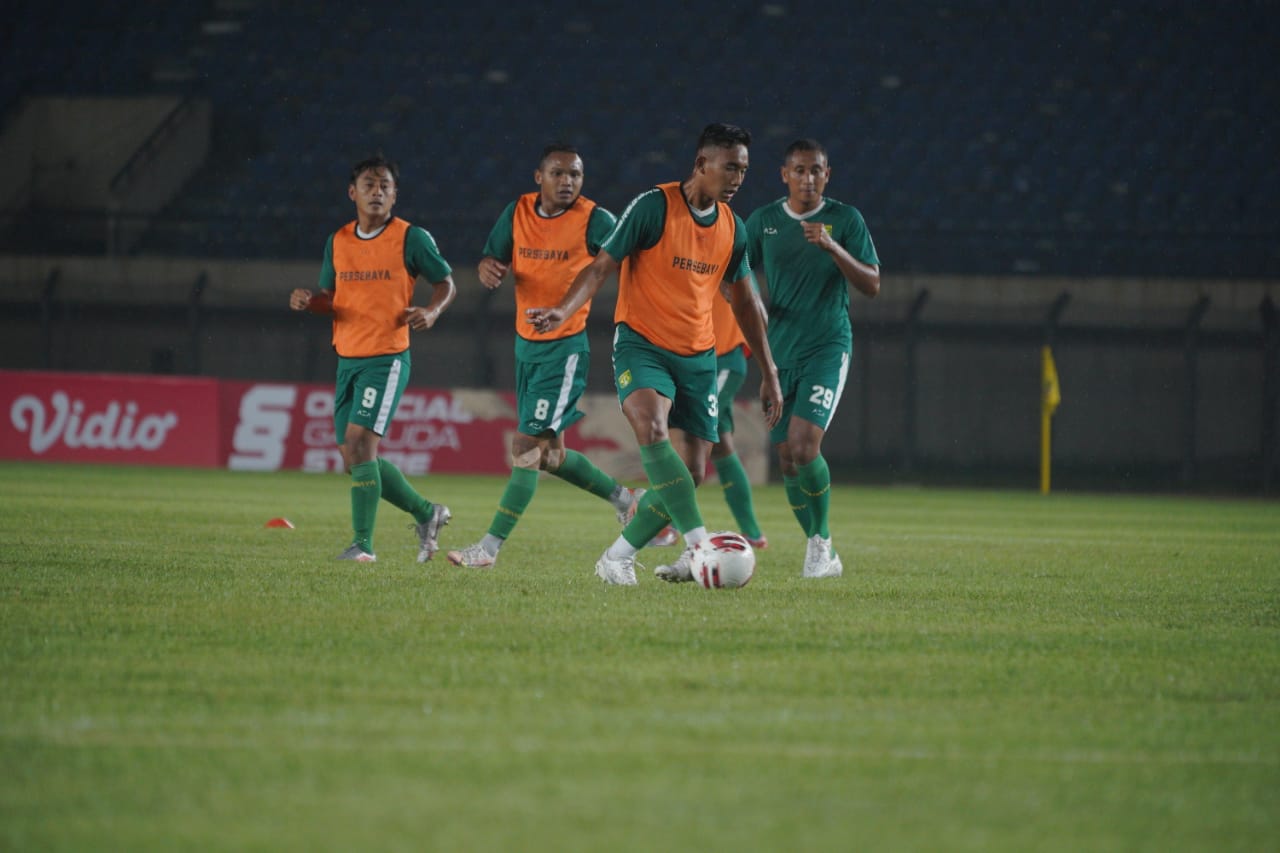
(808,295)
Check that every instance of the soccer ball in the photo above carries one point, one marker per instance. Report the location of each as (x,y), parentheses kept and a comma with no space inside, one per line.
(724,560)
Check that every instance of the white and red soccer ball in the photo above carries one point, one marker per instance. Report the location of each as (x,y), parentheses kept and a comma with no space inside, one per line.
(724,560)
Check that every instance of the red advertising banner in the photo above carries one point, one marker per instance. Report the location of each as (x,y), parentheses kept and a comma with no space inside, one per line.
(270,426)
(118,419)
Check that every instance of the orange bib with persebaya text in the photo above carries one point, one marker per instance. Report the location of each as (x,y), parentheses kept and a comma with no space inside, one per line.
(665,292)
(547,254)
(371,290)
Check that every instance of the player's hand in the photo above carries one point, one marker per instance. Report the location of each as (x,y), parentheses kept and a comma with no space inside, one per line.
(299,299)
(544,319)
(420,319)
(491,272)
(817,234)
(771,400)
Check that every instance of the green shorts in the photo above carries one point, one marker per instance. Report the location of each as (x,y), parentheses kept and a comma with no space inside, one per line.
(688,381)
(547,393)
(811,391)
(731,372)
(368,391)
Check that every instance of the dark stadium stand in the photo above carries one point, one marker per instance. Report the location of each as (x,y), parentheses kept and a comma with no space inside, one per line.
(1087,138)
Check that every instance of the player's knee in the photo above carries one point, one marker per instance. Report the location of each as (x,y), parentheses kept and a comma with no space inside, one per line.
(553,459)
(786,464)
(650,431)
(531,458)
(805,452)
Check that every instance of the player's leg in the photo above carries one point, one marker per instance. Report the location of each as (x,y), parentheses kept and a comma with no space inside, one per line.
(562,384)
(796,499)
(376,385)
(734,482)
(736,486)
(577,470)
(695,451)
(675,460)
(804,442)
(526,460)
(646,378)
(359,448)
(694,427)
(670,480)
(527,452)
(428,517)
(541,402)
(820,394)
(789,380)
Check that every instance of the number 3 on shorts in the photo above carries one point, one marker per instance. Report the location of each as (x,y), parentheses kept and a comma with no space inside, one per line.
(713,405)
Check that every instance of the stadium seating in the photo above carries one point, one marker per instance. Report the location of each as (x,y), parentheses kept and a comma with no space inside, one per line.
(1089,137)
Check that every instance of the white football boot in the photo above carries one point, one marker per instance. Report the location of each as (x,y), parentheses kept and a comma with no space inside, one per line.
(621,572)
(429,532)
(821,560)
(474,557)
(679,571)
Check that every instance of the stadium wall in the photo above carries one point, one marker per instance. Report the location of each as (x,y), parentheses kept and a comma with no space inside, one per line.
(1165,383)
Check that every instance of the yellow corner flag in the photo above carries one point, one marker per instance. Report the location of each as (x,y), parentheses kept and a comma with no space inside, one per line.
(1050,397)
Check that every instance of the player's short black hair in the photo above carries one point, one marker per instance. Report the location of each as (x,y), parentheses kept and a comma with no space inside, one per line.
(723,136)
(377,161)
(805,144)
(557,148)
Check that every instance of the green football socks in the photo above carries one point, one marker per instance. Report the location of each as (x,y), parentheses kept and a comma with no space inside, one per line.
(737,494)
(670,481)
(798,502)
(815,482)
(515,500)
(651,516)
(397,492)
(366,491)
(578,470)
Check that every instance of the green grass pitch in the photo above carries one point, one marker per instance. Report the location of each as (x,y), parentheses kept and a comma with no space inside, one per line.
(995,671)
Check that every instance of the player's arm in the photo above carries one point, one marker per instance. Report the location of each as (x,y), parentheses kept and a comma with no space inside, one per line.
(421,318)
(496,260)
(321,301)
(422,257)
(864,277)
(639,227)
(599,227)
(749,311)
(491,271)
(726,290)
(755,253)
(585,286)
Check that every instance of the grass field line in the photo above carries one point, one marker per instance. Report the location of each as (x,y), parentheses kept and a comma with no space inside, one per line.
(85,733)
(1081,537)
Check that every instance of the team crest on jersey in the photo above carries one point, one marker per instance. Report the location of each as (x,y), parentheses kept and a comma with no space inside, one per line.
(624,379)
(826,227)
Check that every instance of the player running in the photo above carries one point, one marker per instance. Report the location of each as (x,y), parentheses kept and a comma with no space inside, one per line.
(808,249)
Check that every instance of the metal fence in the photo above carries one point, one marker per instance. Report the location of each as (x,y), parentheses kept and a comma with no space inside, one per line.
(932,397)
